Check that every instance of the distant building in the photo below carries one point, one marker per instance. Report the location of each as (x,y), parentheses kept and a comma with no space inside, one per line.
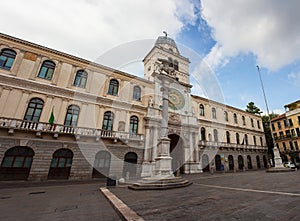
(63,117)
(286,132)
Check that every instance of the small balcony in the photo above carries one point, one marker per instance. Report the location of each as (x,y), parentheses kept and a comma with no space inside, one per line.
(57,129)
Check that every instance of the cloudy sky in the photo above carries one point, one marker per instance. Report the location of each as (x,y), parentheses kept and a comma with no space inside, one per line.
(228,37)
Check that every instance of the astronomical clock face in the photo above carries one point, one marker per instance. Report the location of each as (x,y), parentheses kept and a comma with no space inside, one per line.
(176,99)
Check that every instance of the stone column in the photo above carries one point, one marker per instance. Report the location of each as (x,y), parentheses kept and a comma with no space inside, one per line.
(163,163)
(147,146)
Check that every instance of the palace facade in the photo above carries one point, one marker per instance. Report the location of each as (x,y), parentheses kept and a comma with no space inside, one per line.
(63,117)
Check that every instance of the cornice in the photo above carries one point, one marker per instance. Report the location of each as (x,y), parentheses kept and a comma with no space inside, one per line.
(71,57)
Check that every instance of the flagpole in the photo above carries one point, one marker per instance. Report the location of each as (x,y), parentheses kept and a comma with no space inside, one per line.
(277,159)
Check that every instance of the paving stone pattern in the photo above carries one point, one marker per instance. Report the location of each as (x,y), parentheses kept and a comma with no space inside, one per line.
(198,202)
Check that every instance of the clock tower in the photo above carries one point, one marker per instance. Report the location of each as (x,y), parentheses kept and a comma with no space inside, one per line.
(171,127)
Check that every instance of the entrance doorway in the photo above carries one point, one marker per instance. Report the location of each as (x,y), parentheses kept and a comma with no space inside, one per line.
(231,162)
(177,153)
(205,163)
(130,164)
(61,164)
(101,164)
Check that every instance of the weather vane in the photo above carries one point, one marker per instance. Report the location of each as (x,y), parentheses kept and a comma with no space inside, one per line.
(166,34)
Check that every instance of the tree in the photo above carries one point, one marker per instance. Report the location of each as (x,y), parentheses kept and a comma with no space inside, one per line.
(251,108)
(266,124)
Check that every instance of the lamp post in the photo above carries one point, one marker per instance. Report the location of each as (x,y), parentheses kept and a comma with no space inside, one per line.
(277,159)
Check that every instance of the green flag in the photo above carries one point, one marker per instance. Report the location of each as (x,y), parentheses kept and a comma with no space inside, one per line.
(51,119)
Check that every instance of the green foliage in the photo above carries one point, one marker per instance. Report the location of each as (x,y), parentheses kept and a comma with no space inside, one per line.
(267,130)
(251,108)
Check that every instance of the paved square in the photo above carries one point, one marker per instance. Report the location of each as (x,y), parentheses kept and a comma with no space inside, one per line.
(241,196)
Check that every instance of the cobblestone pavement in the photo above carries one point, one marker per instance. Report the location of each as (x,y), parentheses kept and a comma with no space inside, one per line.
(54,201)
(241,196)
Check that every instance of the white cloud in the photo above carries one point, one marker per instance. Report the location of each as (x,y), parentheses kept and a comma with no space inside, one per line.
(294,78)
(87,28)
(269,29)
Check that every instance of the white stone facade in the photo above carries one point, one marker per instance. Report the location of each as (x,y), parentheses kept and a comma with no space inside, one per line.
(108,129)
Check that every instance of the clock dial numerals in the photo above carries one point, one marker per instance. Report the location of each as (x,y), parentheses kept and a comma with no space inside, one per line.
(176,100)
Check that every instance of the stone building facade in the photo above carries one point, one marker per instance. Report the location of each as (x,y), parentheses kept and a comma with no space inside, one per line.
(63,117)
(286,132)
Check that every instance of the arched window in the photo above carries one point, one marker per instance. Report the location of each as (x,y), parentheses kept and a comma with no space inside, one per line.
(241,162)
(108,120)
(113,87)
(47,70)
(261,141)
(203,136)
(80,79)
(226,116)
(101,164)
(244,121)
(254,140)
(227,136)
(216,135)
(134,123)
(201,107)
(231,162)
(16,163)
(7,58)
(218,162)
(176,65)
(61,164)
(136,93)
(72,115)
(170,62)
(235,118)
(214,113)
(34,110)
(252,123)
(258,124)
(237,136)
(258,162)
(249,161)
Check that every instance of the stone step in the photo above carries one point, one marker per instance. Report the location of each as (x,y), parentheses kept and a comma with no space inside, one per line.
(160,184)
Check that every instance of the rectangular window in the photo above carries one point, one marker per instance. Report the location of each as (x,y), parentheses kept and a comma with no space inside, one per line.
(273,127)
(279,125)
(299,120)
(293,132)
(275,136)
(288,133)
(286,124)
(281,135)
(296,145)
(291,145)
(290,122)
(298,132)
(284,146)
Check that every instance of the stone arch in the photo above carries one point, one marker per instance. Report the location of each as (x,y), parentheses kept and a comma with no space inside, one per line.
(16,163)
(130,165)
(177,152)
(61,164)
(101,164)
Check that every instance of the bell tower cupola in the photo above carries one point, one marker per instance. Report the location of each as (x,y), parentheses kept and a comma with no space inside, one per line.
(166,49)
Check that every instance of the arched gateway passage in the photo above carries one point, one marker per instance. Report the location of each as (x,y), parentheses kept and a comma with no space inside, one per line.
(177,153)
